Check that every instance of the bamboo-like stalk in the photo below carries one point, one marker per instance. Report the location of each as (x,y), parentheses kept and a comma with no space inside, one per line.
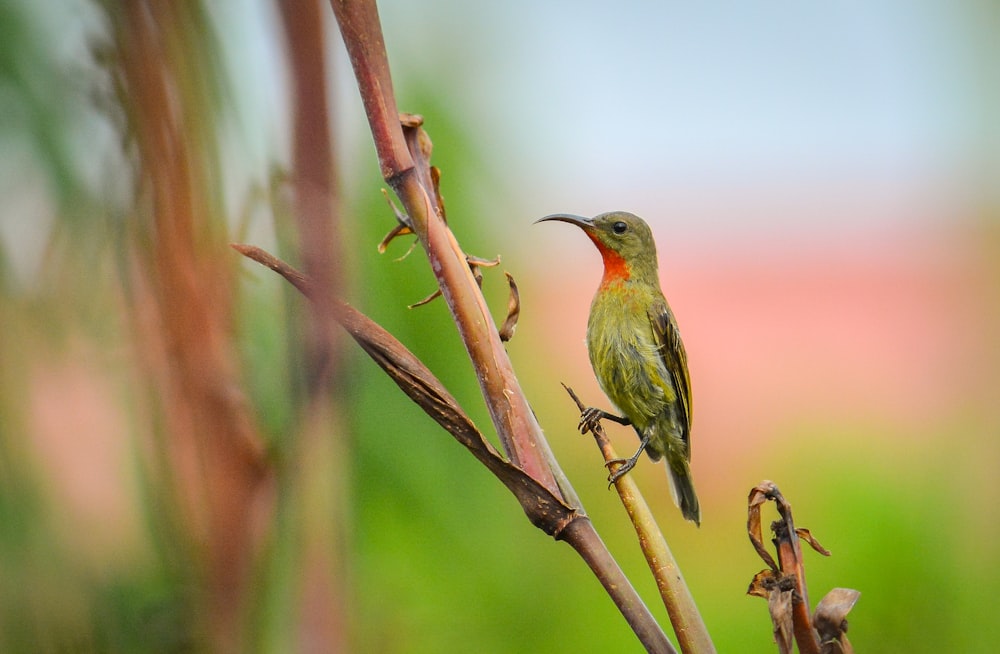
(692,635)
(320,452)
(213,466)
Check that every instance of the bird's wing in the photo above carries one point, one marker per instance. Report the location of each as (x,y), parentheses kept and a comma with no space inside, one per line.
(674,358)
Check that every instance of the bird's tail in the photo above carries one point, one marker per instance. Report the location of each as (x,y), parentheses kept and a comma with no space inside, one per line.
(682,489)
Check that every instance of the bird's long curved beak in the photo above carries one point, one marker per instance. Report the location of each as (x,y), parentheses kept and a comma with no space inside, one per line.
(579,221)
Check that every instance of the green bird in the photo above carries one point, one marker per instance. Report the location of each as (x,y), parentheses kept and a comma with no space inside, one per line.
(636,351)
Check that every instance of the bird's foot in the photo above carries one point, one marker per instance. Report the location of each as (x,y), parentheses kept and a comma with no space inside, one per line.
(589,419)
(625,465)
(592,416)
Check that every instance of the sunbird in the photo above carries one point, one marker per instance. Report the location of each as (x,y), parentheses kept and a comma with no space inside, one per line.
(636,351)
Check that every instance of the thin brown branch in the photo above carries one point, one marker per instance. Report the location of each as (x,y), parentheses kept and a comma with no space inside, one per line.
(362,32)
(692,635)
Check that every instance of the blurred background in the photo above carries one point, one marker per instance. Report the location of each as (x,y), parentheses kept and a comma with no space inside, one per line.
(823,182)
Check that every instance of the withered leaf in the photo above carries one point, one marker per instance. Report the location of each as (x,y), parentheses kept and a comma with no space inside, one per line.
(779,604)
(475,263)
(762,584)
(758,496)
(478,262)
(436,178)
(830,618)
(513,311)
(805,535)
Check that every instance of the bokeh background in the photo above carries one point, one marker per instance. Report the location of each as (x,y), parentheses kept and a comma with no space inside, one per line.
(823,181)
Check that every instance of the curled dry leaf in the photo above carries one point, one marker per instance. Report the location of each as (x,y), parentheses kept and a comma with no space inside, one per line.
(513,311)
(410,120)
(779,591)
(398,230)
(758,496)
(475,263)
(436,178)
(762,584)
(479,262)
(805,535)
(830,620)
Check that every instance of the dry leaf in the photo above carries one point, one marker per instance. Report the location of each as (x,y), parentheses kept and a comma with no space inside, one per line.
(436,178)
(830,620)
(779,604)
(513,311)
(805,535)
(758,496)
(762,584)
(478,262)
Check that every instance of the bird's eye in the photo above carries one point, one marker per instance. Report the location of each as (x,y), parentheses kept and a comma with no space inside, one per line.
(619,227)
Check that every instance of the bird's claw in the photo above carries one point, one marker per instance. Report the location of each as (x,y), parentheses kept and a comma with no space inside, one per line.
(589,419)
(625,465)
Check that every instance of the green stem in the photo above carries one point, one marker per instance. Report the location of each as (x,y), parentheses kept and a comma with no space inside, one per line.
(692,635)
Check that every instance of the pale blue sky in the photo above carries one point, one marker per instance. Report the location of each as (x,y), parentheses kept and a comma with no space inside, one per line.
(873,111)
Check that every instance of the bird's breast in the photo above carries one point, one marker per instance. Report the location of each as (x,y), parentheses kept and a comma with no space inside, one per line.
(625,358)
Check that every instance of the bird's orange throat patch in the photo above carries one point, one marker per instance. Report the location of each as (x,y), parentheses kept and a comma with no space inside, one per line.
(616,269)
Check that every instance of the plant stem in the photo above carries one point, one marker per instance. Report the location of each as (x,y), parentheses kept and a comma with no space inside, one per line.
(516,426)
(692,635)
(582,536)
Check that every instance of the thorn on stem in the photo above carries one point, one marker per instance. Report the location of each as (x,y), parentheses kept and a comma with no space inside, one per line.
(402,227)
(427,300)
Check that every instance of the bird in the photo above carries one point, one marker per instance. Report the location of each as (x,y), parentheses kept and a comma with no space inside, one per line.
(636,351)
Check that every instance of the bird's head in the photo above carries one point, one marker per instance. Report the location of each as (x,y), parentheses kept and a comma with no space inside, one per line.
(624,240)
